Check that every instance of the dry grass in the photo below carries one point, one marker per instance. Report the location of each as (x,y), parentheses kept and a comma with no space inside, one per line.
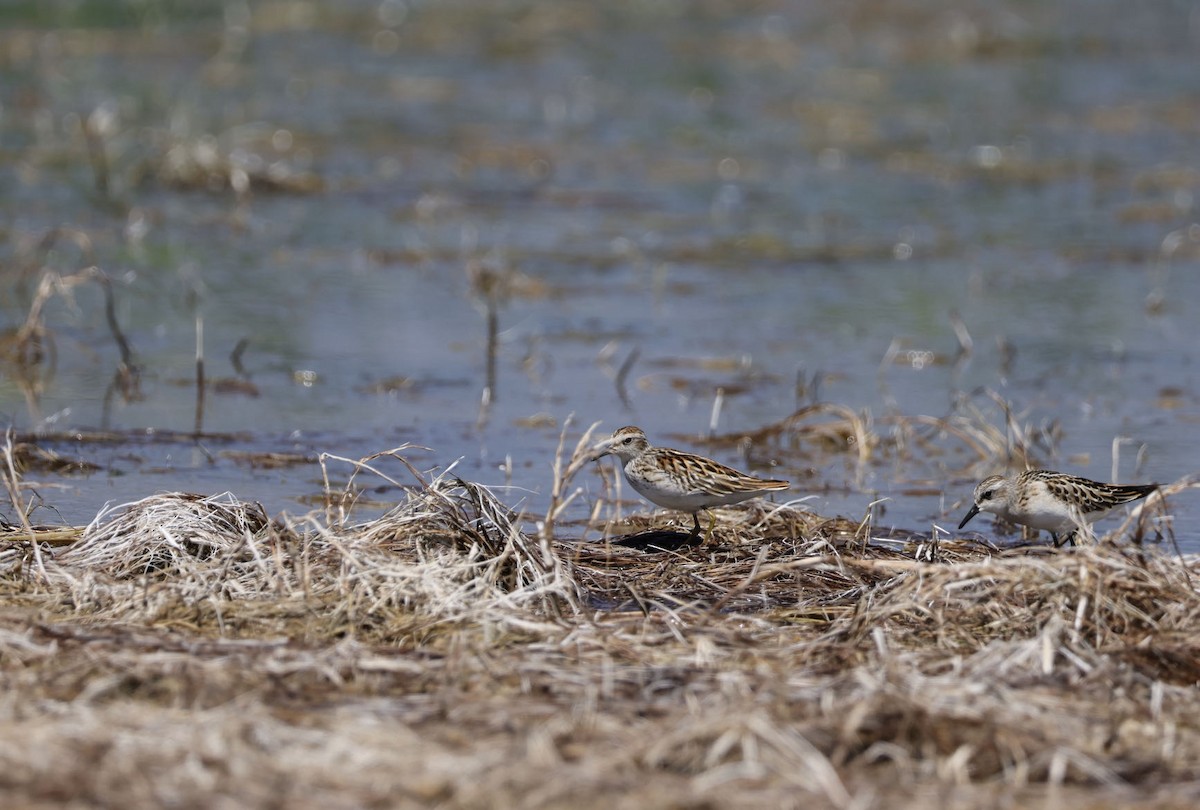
(192,651)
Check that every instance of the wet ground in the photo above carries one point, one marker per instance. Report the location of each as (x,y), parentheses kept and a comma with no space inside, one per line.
(784,203)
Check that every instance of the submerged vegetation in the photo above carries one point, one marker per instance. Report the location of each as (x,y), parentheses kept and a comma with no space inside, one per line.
(452,652)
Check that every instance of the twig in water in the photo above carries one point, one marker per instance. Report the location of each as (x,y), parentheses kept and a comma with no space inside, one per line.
(492,286)
(965,344)
(1139,460)
(623,373)
(485,405)
(93,133)
(199,424)
(1116,455)
(493,329)
(808,388)
(715,415)
(127,378)
(235,358)
(110,314)
(33,335)
(1008,355)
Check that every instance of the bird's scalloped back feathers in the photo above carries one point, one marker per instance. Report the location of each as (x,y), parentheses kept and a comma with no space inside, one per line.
(1091,496)
(705,475)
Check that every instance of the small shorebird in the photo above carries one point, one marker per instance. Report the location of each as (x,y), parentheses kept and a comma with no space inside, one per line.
(677,480)
(1059,503)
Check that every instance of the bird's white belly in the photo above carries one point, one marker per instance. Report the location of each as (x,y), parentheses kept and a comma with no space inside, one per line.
(671,499)
(1053,517)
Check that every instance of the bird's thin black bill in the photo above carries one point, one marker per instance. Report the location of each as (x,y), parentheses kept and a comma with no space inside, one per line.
(974,511)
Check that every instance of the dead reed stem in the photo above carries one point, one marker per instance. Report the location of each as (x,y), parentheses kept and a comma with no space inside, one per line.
(562,478)
(12,485)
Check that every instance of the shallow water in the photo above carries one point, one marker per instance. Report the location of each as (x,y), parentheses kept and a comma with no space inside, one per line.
(746,194)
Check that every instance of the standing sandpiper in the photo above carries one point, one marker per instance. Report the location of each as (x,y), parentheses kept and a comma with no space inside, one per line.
(677,480)
(1059,503)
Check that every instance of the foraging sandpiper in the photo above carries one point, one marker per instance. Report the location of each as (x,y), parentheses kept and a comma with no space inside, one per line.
(1056,502)
(677,480)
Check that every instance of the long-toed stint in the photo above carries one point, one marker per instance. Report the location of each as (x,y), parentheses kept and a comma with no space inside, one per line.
(677,480)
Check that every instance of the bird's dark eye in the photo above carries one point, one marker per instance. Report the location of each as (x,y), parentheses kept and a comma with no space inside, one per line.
(987,496)
(628,440)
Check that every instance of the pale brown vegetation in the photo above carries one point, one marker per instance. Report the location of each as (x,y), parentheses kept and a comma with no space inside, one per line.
(192,651)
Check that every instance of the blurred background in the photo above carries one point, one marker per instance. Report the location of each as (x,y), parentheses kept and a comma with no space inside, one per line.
(969,228)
